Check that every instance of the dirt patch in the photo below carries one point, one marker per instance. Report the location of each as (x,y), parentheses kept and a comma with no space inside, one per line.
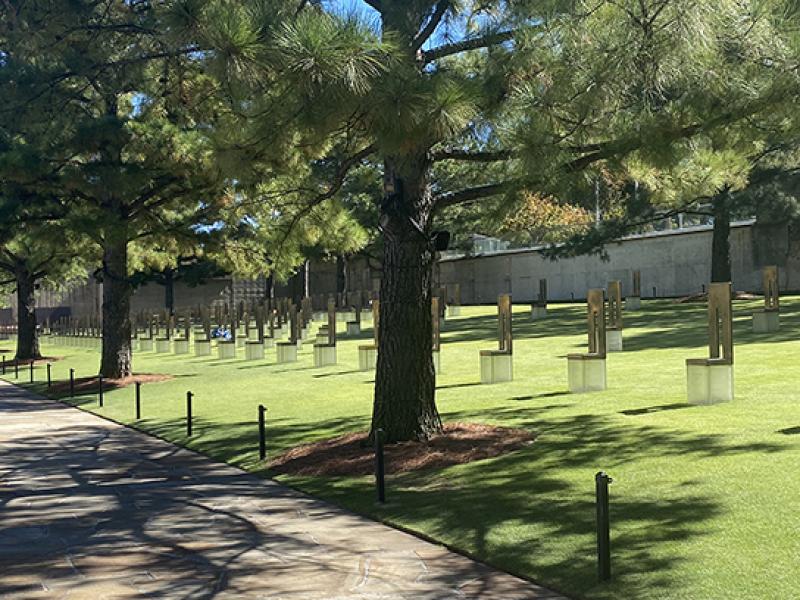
(348,455)
(90,384)
(704,297)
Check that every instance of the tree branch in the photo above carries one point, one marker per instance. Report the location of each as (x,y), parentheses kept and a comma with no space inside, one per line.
(470,194)
(336,184)
(376,4)
(159,184)
(431,25)
(485,41)
(466,155)
(621,147)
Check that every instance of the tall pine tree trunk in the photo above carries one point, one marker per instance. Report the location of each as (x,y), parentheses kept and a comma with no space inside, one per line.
(169,290)
(720,244)
(341,275)
(296,286)
(117,292)
(269,291)
(405,383)
(27,336)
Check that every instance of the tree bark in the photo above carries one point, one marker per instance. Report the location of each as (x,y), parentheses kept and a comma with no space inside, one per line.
(27,336)
(116,361)
(341,275)
(296,286)
(405,383)
(306,278)
(720,244)
(269,291)
(169,290)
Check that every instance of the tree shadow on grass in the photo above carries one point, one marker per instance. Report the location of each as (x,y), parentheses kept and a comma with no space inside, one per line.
(472,505)
(237,443)
(484,510)
(581,439)
(337,373)
(685,326)
(668,324)
(484,327)
(292,370)
(543,395)
(260,365)
(789,431)
(654,409)
(451,386)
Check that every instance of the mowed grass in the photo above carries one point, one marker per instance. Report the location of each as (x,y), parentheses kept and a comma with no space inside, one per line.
(705,502)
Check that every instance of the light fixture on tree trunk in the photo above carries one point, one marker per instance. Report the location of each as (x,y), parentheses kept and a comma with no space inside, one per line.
(441,240)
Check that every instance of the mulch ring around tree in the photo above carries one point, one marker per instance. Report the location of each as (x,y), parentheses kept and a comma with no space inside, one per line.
(90,385)
(348,454)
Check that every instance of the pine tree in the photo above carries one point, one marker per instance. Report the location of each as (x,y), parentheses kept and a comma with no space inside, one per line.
(533,94)
(114,117)
(33,254)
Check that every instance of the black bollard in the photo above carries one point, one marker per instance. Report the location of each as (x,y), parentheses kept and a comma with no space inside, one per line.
(601,481)
(189,397)
(262,433)
(16,369)
(72,383)
(100,390)
(49,376)
(138,400)
(380,479)
(4,364)
(31,368)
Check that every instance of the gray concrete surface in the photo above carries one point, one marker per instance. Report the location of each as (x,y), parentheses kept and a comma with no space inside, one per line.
(90,509)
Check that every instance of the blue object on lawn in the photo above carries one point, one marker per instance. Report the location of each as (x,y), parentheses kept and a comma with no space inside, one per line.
(220,333)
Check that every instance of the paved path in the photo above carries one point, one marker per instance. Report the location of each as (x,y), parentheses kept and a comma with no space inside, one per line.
(90,509)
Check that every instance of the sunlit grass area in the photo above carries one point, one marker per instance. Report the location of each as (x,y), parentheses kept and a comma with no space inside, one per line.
(704,502)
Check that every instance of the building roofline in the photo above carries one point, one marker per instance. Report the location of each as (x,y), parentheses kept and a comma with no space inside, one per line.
(636,236)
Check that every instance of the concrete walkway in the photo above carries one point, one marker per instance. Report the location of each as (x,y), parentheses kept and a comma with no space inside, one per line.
(90,509)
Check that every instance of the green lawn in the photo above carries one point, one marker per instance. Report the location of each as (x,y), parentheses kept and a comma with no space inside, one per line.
(705,500)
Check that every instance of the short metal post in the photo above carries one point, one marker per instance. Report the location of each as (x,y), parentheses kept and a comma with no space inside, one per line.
(262,432)
(189,397)
(16,369)
(380,479)
(4,364)
(601,481)
(31,369)
(49,376)
(138,400)
(72,383)
(100,390)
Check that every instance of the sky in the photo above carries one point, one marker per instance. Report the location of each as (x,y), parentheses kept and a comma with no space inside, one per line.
(361,8)
(350,6)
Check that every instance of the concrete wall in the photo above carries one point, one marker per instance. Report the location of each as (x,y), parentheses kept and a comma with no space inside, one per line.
(79,300)
(151,297)
(674,263)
